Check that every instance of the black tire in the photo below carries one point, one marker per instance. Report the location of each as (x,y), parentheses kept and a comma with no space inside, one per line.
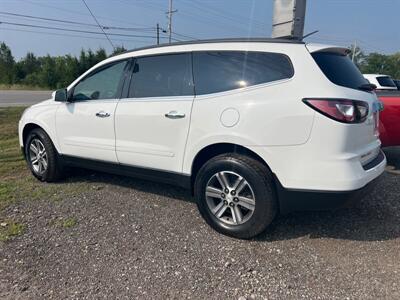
(54,170)
(262,185)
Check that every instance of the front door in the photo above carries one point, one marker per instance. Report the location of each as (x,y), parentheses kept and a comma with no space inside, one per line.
(152,121)
(85,124)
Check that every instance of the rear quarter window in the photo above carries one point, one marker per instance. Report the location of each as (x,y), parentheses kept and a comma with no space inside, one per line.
(339,69)
(218,71)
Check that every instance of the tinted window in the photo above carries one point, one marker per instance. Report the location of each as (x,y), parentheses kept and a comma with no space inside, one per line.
(339,69)
(385,81)
(397,82)
(101,84)
(217,71)
(163,75)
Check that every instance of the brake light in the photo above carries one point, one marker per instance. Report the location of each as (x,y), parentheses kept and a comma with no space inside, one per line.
(341,110)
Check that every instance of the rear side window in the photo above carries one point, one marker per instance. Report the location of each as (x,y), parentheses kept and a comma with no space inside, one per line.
(385,81)
(218,71)
(339,69)
(162,76)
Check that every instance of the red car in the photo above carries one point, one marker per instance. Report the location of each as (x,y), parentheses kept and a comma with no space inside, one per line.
(389,125)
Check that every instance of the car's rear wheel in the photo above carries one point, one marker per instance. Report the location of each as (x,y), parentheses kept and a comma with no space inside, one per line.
(42,157)
(235,195)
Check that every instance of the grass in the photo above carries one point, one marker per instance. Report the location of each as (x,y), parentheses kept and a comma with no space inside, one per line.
(11,160)
(10,229)
(22,87)
(69,222)
(62,222)
(17,183)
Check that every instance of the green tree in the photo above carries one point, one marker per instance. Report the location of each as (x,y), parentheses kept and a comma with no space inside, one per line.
(71,70)
(27,65)
(48,71)
(100,55)
(48,75)
(118,50)
(7,64)
(382,64)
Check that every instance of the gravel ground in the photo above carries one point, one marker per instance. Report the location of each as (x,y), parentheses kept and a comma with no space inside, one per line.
(126,238)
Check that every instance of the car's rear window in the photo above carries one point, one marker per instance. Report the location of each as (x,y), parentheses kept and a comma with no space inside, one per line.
(339,69)
(385,81)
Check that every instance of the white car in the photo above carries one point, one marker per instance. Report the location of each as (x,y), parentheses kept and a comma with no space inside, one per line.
(382,82)
(252,126)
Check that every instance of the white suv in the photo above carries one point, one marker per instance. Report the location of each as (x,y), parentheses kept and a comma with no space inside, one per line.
(382,82)
(252,126)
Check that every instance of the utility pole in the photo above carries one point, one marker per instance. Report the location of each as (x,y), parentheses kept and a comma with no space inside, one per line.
(158,34)
(170,12)
(354,51)
(288,19)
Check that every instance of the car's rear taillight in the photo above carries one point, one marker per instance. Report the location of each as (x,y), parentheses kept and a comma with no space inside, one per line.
(341,110)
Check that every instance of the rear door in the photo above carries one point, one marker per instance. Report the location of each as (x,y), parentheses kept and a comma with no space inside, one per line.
(152,120)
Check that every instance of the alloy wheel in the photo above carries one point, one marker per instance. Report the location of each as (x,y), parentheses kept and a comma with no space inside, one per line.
(230,198)
(38,156)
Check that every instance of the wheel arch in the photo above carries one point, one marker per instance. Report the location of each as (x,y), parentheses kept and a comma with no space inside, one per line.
(28,127)
(213,150)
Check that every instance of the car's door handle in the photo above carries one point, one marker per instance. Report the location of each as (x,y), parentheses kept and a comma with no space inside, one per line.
(175,115)
(102,114)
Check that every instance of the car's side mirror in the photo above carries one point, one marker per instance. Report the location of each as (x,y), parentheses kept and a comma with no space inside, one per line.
(61,95)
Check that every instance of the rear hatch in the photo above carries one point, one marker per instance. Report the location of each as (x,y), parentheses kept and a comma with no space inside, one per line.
(351,86)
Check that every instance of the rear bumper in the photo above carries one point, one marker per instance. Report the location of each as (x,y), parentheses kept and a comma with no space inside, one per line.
(303,200)
(300,200)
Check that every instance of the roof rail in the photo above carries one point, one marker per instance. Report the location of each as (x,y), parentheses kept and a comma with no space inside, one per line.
(224,40)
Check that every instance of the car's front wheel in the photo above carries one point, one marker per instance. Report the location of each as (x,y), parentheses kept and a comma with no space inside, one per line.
(41,156)
(235,195)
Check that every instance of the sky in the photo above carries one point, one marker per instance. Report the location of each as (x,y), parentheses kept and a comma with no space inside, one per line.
(372,24)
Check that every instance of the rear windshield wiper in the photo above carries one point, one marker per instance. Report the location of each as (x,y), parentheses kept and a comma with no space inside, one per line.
(367,87)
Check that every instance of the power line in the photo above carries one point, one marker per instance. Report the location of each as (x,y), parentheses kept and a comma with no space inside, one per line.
(98,24)
(82,31)
(76,23)
(105,27)
(210,13)
(74,30)
(153,7)
(73,35)
(184,36)
(74,12)
(235,19)
(204,19)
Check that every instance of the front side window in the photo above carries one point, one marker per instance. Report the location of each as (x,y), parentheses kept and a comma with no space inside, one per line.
(218,71)
(101,84)
(162,76)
